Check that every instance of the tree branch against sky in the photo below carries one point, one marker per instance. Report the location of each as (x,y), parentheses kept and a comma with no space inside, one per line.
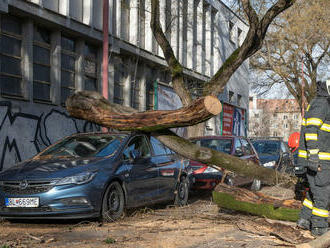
(296,47)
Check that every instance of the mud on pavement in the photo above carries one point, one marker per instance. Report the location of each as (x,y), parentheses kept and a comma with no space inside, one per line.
(198,225)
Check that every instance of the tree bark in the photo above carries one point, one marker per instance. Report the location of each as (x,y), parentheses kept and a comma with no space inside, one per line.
(211,157)
(92,106)
(320,242)
(255,203)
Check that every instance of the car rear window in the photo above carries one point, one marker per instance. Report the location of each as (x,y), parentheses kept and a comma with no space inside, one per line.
(266,147)
(221,145)
(85,146)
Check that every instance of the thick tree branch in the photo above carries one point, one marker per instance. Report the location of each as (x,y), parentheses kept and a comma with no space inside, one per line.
(251,44)
(90,105)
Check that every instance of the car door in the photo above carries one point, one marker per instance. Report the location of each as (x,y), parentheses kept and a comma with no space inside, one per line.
(142,179)
(168,168)
(241,152)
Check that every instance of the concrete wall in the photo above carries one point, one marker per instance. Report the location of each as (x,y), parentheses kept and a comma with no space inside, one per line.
(26,129)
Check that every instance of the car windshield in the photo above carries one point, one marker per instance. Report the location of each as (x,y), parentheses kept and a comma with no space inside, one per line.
(221,145)
(267,147)
(85,146)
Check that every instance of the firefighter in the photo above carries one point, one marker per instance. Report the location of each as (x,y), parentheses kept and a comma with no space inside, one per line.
(314,161)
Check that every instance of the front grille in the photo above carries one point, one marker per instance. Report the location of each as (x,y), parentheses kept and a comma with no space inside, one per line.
(26,187)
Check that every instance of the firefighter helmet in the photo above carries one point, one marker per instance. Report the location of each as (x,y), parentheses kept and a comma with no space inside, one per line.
(293,141)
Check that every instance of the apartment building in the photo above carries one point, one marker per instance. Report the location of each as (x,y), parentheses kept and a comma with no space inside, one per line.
(274,117)
(51,48)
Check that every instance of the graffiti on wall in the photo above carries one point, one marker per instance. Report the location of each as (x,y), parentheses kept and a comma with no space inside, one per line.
(23,135)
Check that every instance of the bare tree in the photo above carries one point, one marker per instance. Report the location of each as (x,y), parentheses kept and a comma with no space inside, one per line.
(296,50)
(88,106)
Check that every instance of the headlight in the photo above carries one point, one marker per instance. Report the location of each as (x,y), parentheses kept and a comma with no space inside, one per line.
(80,178)
(210,170)
(269,164)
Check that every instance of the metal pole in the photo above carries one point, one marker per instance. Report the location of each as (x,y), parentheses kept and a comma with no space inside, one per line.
(302,89)
(105,61)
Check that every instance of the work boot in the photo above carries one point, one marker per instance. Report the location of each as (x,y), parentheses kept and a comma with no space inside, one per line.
(318,231)
(304,224)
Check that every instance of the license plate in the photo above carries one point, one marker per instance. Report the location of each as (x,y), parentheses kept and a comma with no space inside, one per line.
(32,202)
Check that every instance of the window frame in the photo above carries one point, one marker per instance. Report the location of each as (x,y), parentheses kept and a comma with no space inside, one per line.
(48,47)
(72,54)
(18,37)
(131,139)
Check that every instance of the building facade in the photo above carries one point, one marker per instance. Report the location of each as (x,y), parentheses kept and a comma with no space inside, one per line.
(51,48)
(273,117)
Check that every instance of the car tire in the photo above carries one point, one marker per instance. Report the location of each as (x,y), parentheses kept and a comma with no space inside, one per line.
(113,203)
(182,192)
(256,185)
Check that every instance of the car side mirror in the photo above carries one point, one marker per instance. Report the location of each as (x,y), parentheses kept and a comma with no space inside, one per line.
(135,154)
(239,152)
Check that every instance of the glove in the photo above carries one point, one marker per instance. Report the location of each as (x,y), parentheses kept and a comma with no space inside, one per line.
(300,171)
(313,162)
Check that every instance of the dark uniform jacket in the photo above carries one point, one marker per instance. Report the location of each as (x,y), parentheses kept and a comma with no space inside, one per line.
(315,132)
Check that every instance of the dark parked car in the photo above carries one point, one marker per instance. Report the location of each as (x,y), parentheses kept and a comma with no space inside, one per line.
(274,153)
(94,175)
(206,177)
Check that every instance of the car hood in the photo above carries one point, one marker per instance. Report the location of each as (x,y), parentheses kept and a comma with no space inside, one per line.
(48,168)
(267,158)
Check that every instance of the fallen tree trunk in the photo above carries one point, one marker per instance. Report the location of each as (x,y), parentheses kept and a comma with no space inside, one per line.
(211,157)
(256,203)
(320,242)
(92,106)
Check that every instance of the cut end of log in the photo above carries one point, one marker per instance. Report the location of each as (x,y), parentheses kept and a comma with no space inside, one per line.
(213,105)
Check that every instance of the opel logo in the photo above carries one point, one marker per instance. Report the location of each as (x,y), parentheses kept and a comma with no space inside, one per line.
(23,184)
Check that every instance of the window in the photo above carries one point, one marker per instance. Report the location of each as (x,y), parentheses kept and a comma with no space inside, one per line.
(238,148)
(284,148)
(125,19)
(51,4)
(285,117)
(158,147)
(140,144)
(239,99)
(76,9)
(10,56)
(231,32)
(247,149)
(239,38)
(256,115)
(120,77)
(295,117)
(68,65)
(285,125)
(41,64)
(275,134)
(135,93)
(90,67)
(150,94)
(231,96)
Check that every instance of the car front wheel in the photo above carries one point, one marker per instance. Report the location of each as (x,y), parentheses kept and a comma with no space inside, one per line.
(113,202)
(181,197)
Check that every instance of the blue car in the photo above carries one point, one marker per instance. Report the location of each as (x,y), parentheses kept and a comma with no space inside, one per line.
(94,175)
(274,153)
